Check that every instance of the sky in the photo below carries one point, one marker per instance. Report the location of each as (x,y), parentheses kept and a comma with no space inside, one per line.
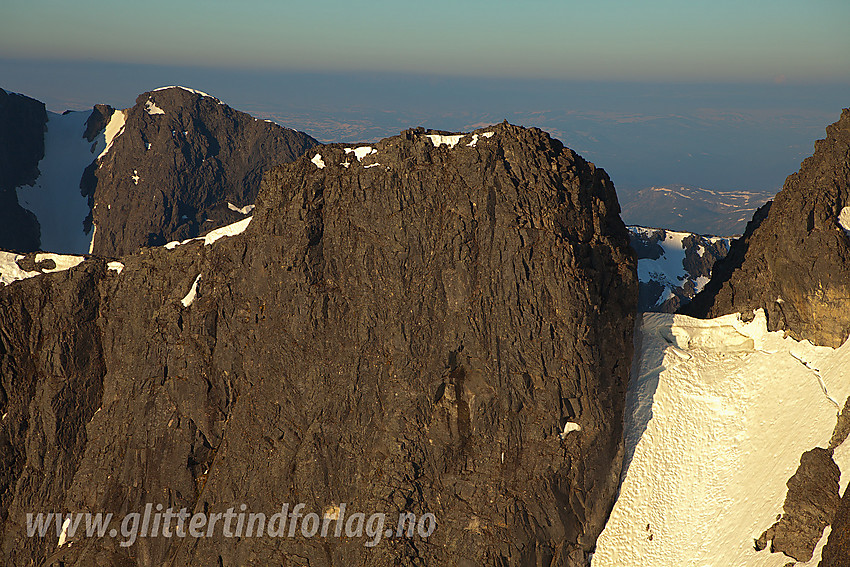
(726,95)
(650,40)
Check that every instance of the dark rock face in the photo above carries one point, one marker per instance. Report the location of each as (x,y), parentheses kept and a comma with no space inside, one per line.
(414,336)
(22,124)
(51,373)
(673,266)
(97,121)
(810,506)
(181,154)
(836,552)
(794,259)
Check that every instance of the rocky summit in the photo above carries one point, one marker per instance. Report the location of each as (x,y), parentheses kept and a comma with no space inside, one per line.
(434,323)
(793,260)
(178,164)
(181,164)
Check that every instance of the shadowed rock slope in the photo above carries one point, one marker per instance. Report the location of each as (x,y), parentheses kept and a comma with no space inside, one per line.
(443,329)
(22,123)
(793,261)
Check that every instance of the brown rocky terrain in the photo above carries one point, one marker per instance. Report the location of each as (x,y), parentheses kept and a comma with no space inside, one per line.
(415,327)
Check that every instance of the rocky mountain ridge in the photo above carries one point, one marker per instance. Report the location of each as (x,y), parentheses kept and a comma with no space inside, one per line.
(115,180)
(22,121)
(793,262)
(434,322)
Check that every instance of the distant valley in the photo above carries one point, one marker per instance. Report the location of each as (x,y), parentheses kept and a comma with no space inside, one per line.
(693,209)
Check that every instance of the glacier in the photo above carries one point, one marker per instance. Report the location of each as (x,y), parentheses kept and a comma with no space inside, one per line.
(718,414)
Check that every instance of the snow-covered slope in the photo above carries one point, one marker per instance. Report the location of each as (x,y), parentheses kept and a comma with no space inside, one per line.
(673,266)
(718,415)
(55,199)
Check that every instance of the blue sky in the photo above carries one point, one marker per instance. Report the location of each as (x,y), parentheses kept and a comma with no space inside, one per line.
(720,94)
(651,40)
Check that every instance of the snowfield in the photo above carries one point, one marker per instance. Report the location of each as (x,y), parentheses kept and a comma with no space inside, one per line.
(718,415)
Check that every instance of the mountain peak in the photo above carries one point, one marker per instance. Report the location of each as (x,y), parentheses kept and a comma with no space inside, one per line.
(793,261)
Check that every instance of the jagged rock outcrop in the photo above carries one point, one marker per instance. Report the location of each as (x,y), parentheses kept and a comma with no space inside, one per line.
(836,553)
(22,121)
(181,156)
(673,266)
(794,258)
(409,327)
(810,506)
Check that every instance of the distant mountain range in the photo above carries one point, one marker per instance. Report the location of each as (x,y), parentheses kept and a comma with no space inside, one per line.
(673,266)
(692,209)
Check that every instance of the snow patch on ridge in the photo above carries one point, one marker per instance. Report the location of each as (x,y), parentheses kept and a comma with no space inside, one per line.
(717,418)
(318,162)
(93,233)
(844,219)
(451,140)
(361,152)
(113,129)
(190,297)
(241,210)
(213,235)
(152,109)
(440,139)
(10,271)
(187,89)
(569,427)
(475,138)
(63,535)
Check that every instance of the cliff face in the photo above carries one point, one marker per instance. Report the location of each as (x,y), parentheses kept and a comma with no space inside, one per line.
(433,324)
(178,157)
(22,122)
(794,258)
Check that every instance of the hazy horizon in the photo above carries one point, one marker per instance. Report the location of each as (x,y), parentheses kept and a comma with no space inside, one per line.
(723,95)
(654,40)
(724,136)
